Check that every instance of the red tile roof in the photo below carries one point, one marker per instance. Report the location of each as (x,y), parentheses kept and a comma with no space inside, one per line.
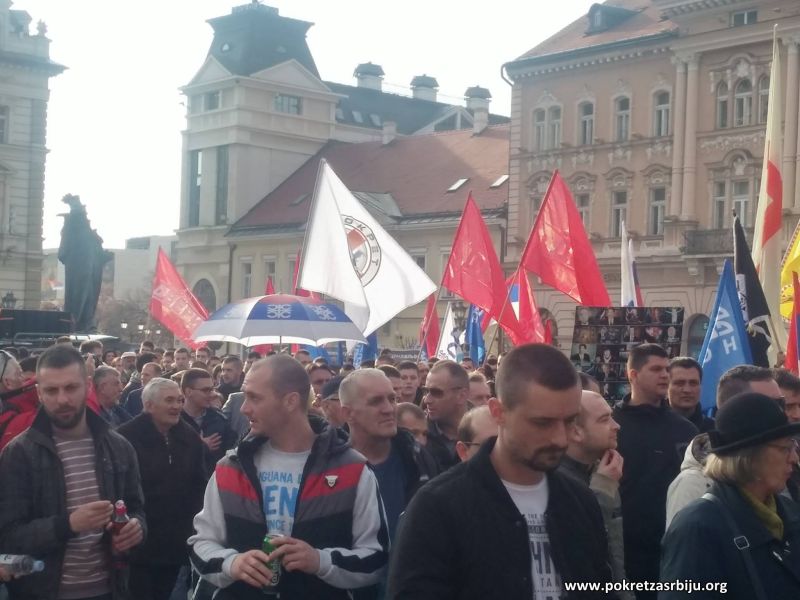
(415,170)
(647,22)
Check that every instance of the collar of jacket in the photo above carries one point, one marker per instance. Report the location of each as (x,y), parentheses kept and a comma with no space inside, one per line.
(581,470)
(22,398)
(42,427)
(625,404)
(328,440)
(143,422)
(746,518)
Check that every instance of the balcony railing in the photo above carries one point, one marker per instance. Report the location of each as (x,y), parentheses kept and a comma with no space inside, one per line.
(712,241)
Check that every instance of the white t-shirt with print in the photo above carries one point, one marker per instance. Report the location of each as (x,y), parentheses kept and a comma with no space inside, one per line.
(279,474)
(531,501)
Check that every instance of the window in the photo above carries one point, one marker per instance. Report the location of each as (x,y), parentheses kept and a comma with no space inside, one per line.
(619,206)
(582,201)
(290,105)
(221,200)
(554,127)
(661,115)
(499,181)
(720,193)
(195,179)
(743,103)
(622,119)
(586,126)
(539,119)
(458,184)
(722,105)
(763,99)
(744,17)
(269,272)
(204,291)
(358,117)
(658,203)
(376,120)
(212,100)
(247,279)
(292,265)
(195,104)
(3,124)
(740,197)
(420,260)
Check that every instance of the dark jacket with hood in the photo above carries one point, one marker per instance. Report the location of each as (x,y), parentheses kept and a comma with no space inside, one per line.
(651,440)
(173,481)
(419,465)
(699,545)
(33,511)
(463,538)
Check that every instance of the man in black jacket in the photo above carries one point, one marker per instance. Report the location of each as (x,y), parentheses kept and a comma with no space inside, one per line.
(651,440)
(446,393)
(505,524)
(60,479)
(170,455)
(400,464)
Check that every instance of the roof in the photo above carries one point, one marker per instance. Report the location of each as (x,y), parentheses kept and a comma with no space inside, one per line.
(646,21)
(406,179)
(410,114)
(255,37)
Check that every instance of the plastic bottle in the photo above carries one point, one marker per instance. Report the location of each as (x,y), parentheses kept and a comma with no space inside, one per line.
(21,564)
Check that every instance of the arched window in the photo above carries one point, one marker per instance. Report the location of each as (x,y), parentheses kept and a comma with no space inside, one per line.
(622,119)
(539,129)
(204,292)
(763,99)
(743,104)
(586,125)
(554,127)
(661,114)
(697,334)
(722,105)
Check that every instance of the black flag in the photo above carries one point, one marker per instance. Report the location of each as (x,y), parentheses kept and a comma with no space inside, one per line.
(751,296)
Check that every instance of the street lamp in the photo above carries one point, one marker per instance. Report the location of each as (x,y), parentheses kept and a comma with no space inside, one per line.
(9,300)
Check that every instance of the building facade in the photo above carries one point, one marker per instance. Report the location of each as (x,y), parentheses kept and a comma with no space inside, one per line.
(25,69)
(654,112)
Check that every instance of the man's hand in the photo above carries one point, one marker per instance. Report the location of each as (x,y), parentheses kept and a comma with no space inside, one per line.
(5,575)
(213,441)
(251,567)
(611,465)
(296,555)
(129,536)
(91,516)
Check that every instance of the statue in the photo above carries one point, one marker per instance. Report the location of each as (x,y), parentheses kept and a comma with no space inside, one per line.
(81,252)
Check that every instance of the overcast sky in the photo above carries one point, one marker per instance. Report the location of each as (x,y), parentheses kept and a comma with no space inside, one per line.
(115,115)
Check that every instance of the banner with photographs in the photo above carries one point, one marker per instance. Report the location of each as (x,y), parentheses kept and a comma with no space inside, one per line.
(603,336)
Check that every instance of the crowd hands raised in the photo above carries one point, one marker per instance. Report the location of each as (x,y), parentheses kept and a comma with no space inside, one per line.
(282,477)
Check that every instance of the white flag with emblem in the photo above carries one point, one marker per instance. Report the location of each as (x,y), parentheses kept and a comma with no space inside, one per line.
(450,339)
(349,256)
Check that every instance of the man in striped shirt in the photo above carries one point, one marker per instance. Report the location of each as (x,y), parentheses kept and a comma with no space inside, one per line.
(60,480)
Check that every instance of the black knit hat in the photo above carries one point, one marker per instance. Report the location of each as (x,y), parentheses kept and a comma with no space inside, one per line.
(748,420)
(331,388)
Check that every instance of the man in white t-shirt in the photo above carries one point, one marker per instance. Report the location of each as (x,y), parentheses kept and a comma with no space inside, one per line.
(505,524)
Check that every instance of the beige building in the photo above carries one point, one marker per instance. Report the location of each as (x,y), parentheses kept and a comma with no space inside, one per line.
(258,113)
(25,69)
(654,112)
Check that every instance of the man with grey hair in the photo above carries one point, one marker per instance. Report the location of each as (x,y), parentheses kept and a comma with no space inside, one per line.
(108,388)
(297,479)
(170,455)
(401,465)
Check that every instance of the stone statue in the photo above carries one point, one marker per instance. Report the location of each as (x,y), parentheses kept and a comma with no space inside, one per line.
(81,252)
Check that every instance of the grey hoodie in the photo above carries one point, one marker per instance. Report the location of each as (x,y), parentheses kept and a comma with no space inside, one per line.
(691,483)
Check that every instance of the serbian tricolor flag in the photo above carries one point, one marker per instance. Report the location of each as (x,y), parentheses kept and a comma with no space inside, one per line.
(172,302)
(792,353)
(767,235)
(559,251)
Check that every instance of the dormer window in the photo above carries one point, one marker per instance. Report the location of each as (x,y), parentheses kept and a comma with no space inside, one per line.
(603,17)
(597,20)
(744,17)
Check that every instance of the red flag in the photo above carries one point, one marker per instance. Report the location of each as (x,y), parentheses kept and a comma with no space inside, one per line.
(474,272)
(559,252)
(430,339)
(548,332)
(270,289)
(792,353)
(530,323)
(300,291)
(173,303)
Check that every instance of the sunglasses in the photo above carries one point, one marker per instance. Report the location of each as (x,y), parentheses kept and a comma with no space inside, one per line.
(437,392)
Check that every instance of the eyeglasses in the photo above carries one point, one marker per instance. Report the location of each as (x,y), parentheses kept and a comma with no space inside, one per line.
(437,392)
(787,450)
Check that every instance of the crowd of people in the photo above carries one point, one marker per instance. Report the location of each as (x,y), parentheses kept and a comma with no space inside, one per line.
(286,477)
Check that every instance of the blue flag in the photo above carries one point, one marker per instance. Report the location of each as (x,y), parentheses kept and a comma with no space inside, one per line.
(726,344)
(368,351)
(317,352)
(474,335)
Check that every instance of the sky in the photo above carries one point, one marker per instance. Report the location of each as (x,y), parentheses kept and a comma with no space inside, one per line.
(116,114)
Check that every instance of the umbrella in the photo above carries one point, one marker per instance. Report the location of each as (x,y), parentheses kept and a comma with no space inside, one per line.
(278,319)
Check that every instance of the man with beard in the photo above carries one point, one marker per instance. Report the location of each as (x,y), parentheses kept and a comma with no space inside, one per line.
(60,480)
(506,524)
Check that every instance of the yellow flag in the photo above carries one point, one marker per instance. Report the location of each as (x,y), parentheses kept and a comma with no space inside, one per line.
(791,264)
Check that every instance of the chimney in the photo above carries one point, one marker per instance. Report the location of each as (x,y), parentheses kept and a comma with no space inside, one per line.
(424,87)
(477,97)
(480,120)
(369,76)
(389,132)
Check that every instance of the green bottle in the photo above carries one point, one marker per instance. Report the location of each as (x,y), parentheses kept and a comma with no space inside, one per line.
(274,565)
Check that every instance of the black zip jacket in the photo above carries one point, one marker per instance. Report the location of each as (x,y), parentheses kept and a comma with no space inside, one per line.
(463,538)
